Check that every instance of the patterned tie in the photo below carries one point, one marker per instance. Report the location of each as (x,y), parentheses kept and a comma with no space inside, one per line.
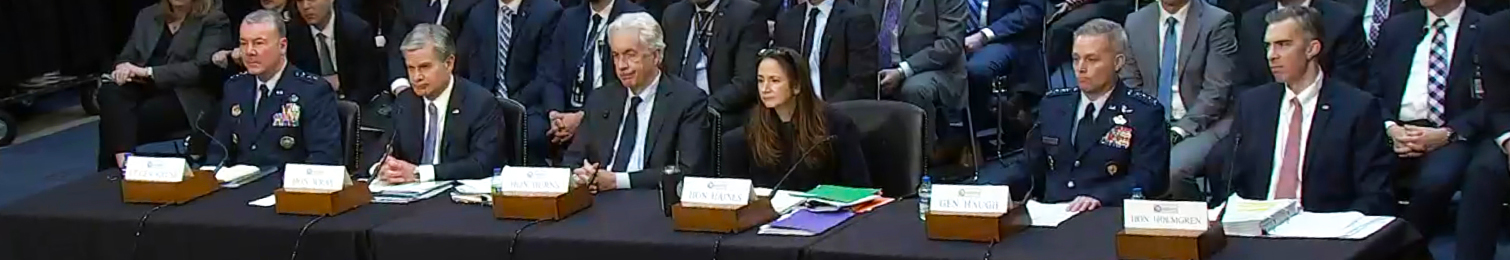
(889,31)
(1381,13)
(1437,78)
(628,135)
(505,36)
(973,21)
(1289,170)
(432,127)
(1167,67)
(327,63)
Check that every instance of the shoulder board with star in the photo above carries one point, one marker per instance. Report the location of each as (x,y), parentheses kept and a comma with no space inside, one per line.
(240,76)
(1061,92)
(1143,97)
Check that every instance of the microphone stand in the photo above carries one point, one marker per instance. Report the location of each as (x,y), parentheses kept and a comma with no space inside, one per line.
(796,163)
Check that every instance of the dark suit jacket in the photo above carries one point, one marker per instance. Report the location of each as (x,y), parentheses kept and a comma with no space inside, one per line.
(1396,7)
(1347,163)
(1018,21)
(1344,49)
(1394,53)
(357,56)
(770,10)
(468,147)
(933,33)
(566,48)
(845,164)
(314,137)
(1494,62)
(848,48)
(738,37)
(411,15)
(1099,169)
(676,134)
(478,62)
(188,71)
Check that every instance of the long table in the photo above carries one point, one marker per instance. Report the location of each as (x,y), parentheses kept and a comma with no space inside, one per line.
(86,220)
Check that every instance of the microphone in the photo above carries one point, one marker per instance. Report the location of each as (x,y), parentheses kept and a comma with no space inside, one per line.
(225,153)
(789,171)
(1032,176)
(1231,172)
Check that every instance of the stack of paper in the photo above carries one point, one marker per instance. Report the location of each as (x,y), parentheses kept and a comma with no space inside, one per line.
(840,196)
(1256,217)
(479,191)
(384,192)
(1049,215)
(805,222)
(1340,225)
(235,176)
(784,201)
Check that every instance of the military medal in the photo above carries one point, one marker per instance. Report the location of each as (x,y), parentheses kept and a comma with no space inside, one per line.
(234,139)
(1111,168)
(287,142)
(236,110)
(1051,162)
(293,98)
(1119,120)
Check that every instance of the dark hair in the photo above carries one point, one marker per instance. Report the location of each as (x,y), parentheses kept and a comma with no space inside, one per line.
(807,118)
(1308,19)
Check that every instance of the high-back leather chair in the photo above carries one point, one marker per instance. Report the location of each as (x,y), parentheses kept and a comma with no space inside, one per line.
(892,139)
(512,140)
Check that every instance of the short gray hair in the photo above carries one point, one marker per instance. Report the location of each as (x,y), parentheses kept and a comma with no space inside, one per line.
(641,24)
(1308,18)
(429,35)
(267,17)
(1103,27)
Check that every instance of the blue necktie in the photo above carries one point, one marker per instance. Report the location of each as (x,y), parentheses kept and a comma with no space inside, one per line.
(505,35)
(628,135)
(973,21)
(889,31)
(431,11)
(432,127)
(1167,67)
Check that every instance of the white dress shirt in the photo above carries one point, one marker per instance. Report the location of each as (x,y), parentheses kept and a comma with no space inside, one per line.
(1086,101)
(512,5)
(597,67)
(329,31)
(1176,104)
(815,55)
(702,64)
(426,170)
(270,84)
(440,18)
(1308,99)
(1415,103)
(637,156)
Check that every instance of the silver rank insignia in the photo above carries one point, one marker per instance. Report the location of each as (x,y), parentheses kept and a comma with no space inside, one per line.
(293,98)
(287,142)
(236,110)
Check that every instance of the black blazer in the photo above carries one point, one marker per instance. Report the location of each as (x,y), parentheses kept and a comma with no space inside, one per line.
(1347,164)
(1395,50)
(1396,7)
(848,48)
(1494,61)
(188,57)
(738,37)
(845,164)
(468,147)
(676,134)
(558,74)
(1344,49)
(478,62)
(357,56)
(411,15)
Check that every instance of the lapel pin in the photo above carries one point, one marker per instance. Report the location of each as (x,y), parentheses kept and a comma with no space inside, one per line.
(455,111)
(236,110)
(1325,107)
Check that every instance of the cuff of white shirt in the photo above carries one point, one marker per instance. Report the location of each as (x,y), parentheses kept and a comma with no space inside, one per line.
(1501,140)
(426,172)
(149,72)
(1180,131)
(906,69)
(621,180)
(988,33)
(399,85)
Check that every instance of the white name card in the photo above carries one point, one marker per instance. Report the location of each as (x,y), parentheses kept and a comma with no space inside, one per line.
(716,191)
(155,169)
(970,198)
(534,179)
(323,178)
(1152,214)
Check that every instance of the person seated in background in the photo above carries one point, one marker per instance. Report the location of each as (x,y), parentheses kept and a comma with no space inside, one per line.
(446,128)
(1307,137)
(713,44)
(266,104)
(287,13)
(792,129)
(342,50)
(635,131)
(922,57)
(502,49)
(578,65)
(1431,105)
(1185,52)
(839,41)
(1345,58)
(453,14)
(157,86)
(1487,181)
(1004,39)
(1097,144)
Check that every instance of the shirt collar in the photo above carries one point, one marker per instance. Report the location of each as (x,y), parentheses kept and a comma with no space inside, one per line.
(272,83)
(711,6)
(606,11)
(445,95)
(1453,18)
(1100,102)
(1178,15)
(649,90)
(329,31)
(512,6)
(825,7)
(1282,4)
(1310,93)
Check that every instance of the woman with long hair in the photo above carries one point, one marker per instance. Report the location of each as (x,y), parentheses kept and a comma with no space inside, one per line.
(791,121)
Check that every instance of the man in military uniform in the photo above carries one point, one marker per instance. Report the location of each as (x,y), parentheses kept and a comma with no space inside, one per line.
(1095,145)
(265,120)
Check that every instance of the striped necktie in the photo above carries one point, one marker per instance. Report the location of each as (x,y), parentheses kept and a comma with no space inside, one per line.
(505,36)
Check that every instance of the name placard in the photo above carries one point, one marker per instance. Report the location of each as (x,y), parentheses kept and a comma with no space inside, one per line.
(155,169)
(534,179)
(310,177)
(717,191)
(1152,214)
(970,198)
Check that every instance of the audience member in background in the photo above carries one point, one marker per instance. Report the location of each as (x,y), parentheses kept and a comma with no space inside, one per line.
(792,128)
(266,105)
(1004,39)
(446,127)
(1345,57)
(502,48)
(579,64)
(1097,144)
(343,48)
(158,84)
(838,41)
(637,130)
(287,12)
(1426,80)
(1375,12)
(1487,183)
(453,14)
(922,55)
(1308,137)
(1063,17)
(1184,51)
(713,44)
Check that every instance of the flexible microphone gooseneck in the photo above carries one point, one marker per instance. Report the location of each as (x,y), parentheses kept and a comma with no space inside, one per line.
(225,152)
(515,240)
(1231,172)
(311,222)
(796,163)
(136,238)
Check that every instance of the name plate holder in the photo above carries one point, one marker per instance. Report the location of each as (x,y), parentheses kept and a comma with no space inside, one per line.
(1170,243)
(541,206)
(977,227)
(699,217)
(195,184)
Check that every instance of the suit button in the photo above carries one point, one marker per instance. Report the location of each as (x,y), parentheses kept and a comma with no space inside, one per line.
(254,147)
(1070,185)
(1077,164)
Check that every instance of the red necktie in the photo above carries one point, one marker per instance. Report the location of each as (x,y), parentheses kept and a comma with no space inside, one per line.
(1289,170)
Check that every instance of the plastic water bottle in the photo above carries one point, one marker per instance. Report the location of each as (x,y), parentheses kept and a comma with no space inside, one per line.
(1137,193)
(923,195)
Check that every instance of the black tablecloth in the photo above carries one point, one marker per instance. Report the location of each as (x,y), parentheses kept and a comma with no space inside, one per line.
(895,232)
(86,219)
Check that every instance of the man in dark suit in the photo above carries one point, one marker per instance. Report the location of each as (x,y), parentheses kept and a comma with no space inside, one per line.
(649,123)
(579,64)
(714,44)
(1063,17)
(1307,137)
(1426,81)
(1344,58)
(449,13)
(502,47)
(840,47)
(1004,39)
(343,50)
(446,128)
(268,105)
(1487,183)
(1102,142)
(922,54)
(1375,12)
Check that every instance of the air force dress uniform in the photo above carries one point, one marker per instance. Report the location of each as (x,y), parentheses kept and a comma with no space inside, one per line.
(291,118)
(1101,149)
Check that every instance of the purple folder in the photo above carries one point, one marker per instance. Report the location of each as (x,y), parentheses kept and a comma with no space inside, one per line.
(815,222)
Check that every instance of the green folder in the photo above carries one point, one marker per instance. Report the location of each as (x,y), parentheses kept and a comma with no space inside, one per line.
(840,194)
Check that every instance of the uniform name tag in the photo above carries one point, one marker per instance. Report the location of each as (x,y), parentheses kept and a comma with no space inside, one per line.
(317,178)
(716,191)
(1178,215)
(155,169)
(534,179)
(970,198)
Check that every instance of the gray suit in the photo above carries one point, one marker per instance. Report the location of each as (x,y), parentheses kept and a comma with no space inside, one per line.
(932,44)
(1206,72)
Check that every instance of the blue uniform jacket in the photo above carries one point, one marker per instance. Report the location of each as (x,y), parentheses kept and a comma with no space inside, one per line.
(296,123)
(1131,149)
